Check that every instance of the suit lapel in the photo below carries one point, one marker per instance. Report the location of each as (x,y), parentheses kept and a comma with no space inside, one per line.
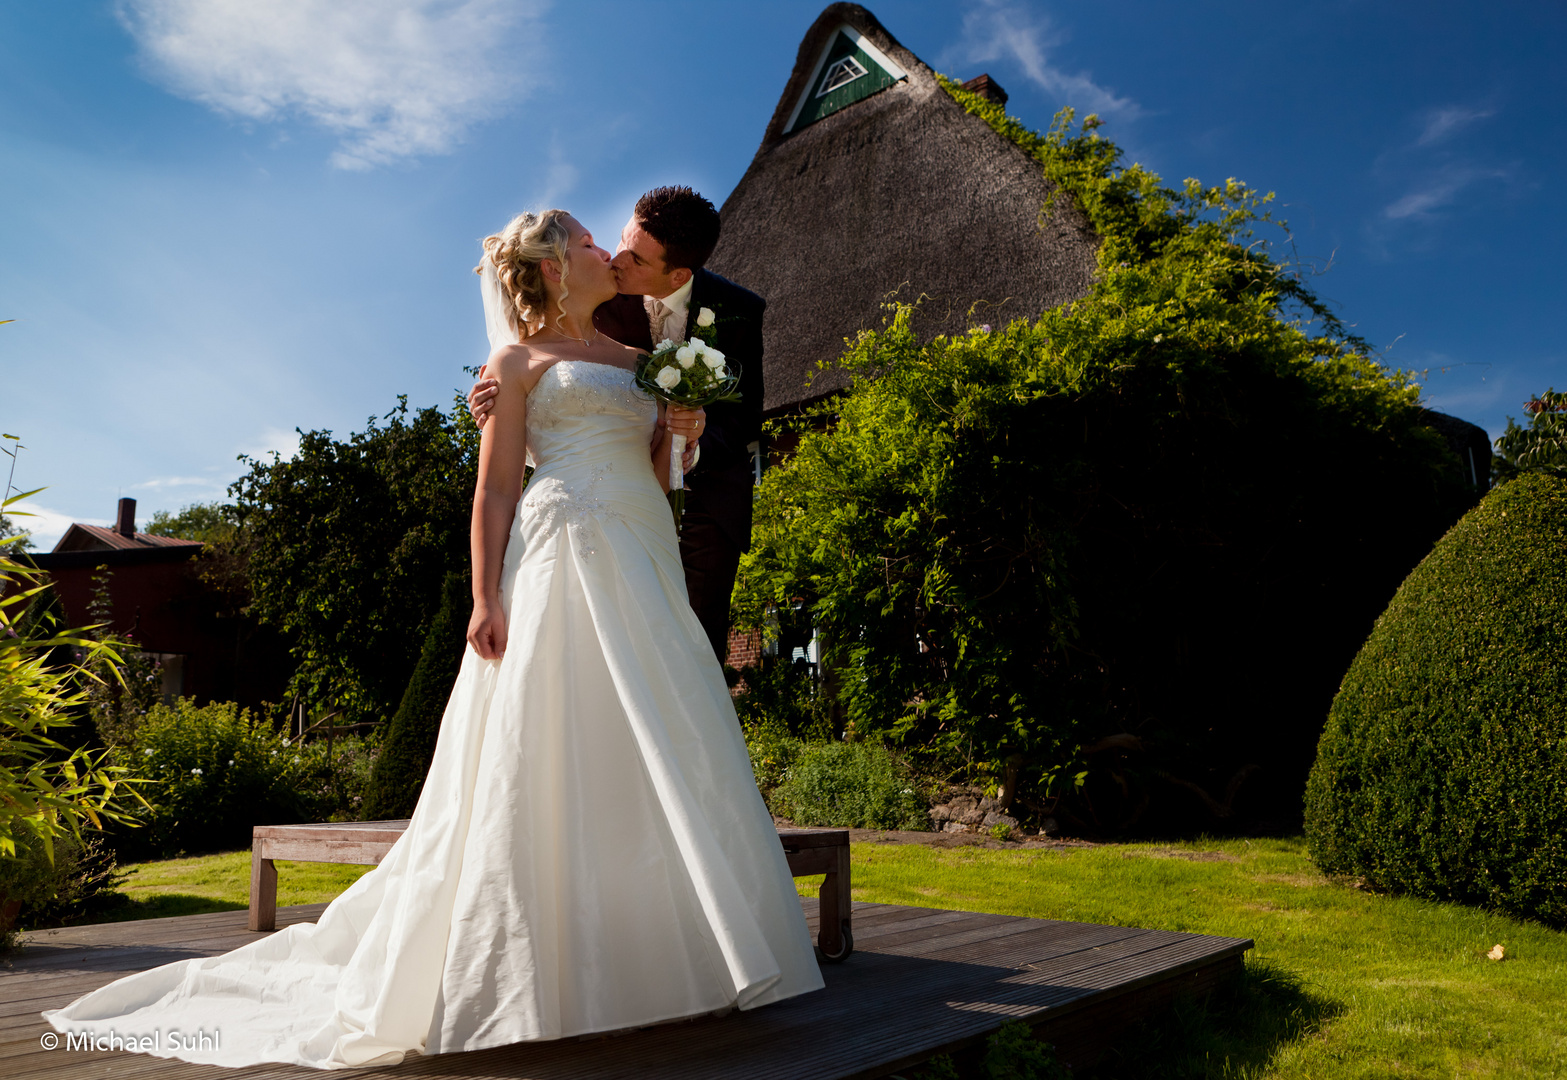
(694,303)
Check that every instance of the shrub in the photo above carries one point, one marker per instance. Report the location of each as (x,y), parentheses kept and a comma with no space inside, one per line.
(79,882)
(409,745)
(47,791)
(1129,523)
(772,750)
(219,771)
(1443,768)
(857,785)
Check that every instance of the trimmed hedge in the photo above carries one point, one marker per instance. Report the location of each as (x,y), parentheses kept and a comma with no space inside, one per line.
(394,787)
(1442,772)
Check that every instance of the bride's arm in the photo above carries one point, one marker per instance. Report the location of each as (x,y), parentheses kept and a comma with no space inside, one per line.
(502,458)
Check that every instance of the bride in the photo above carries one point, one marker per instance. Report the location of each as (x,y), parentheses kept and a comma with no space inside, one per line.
(589,851)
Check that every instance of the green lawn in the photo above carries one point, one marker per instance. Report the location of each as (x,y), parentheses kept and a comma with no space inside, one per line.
(1342,983)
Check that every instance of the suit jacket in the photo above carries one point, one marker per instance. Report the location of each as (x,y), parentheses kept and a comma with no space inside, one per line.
(720,484)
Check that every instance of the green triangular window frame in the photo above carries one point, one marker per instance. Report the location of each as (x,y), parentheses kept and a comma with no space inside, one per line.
(849,69)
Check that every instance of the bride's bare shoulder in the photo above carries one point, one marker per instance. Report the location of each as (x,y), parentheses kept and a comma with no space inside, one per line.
(518,365)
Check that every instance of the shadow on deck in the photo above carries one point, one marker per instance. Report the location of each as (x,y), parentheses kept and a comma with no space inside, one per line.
(920,982)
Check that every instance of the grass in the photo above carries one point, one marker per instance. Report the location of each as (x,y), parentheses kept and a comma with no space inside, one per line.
(203,883)
(1342,983)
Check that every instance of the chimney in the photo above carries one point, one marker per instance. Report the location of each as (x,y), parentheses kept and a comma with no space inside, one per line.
(125,520)
(987,88)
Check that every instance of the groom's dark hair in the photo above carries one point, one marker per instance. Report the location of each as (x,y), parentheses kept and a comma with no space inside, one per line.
(684,224)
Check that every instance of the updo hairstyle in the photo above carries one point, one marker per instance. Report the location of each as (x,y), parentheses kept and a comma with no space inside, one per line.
(517,250)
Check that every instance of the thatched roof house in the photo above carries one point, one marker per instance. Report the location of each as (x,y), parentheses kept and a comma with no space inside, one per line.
(872,182)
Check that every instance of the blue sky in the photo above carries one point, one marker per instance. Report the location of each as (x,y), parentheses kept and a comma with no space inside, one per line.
(221,220)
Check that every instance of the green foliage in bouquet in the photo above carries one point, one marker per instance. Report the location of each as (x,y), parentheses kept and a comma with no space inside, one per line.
(347,544)
(1135,541)
(1443,769)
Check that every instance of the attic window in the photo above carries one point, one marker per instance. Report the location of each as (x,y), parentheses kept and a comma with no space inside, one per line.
(849,68)
(842,73)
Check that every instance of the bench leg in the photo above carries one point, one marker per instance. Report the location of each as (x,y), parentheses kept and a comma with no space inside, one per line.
(834,904)
(263,891)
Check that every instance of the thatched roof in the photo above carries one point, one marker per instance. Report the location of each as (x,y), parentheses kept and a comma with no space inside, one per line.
(901,193)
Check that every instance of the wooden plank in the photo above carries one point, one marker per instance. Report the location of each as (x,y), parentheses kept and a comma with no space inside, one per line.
(882,1010)
(315,849)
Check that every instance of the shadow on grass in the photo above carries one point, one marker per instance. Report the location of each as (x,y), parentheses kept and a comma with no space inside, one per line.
(1236,1033)
(158,906)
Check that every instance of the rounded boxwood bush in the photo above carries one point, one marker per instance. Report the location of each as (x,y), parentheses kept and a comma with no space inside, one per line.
(1442,771)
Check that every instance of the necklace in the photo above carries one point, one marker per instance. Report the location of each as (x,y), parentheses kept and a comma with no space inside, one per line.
(586,342)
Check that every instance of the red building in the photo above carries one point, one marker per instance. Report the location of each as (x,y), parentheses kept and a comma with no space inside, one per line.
(165,598)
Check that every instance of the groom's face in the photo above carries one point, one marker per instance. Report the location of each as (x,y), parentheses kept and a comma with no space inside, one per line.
(639,265)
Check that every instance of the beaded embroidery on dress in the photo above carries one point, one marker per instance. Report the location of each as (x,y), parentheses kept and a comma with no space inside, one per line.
(589,851)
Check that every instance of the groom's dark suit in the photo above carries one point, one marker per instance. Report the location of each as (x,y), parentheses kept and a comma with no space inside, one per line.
(717,524)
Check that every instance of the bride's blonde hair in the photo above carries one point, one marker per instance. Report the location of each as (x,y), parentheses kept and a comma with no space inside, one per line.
(517,250)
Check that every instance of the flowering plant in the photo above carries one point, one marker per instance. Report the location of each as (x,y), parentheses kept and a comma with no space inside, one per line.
(691,374)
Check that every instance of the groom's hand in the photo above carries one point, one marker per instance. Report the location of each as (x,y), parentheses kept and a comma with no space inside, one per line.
(481,399)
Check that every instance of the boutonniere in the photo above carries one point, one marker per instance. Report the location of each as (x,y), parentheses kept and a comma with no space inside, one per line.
(706,329)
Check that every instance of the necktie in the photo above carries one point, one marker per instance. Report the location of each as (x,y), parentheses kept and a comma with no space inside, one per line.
(658,314)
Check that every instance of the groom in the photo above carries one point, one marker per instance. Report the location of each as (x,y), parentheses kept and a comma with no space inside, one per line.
(663,292)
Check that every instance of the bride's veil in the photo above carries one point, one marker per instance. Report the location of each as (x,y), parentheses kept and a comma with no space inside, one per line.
(497,312)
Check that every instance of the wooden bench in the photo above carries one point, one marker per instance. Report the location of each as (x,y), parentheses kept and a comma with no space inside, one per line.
(365,843)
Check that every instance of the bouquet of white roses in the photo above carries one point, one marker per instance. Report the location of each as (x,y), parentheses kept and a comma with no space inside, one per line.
(691,374)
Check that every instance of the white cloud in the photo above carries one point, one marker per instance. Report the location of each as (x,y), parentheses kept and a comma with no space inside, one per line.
(272,439)
(1440,123)
(994,30)
(166,483)
(1438,190)
(46,525)
(394,78)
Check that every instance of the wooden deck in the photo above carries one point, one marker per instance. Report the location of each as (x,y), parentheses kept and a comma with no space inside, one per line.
(920,982)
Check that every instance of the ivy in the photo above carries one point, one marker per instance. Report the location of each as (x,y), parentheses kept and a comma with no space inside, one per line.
(1095,544)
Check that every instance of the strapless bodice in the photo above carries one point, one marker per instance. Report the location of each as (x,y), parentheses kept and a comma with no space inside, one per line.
(589,432)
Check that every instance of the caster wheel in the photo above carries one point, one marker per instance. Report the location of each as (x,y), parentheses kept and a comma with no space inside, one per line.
(843,954)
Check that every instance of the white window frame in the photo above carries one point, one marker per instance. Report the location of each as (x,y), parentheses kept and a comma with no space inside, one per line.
(850,65)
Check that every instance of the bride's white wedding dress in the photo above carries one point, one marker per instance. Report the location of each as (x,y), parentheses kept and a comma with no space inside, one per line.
(589,851)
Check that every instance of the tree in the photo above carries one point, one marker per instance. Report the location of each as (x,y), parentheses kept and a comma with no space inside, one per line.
(410,739)
(348,543)
(213,523)
(1135,542)
(1541,447)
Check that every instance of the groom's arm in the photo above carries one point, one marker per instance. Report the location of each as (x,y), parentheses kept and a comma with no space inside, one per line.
(733,425)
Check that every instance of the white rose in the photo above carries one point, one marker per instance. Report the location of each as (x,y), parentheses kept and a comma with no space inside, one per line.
(713,359)
(668,378)
(704,317)
(686,355)
(665,344)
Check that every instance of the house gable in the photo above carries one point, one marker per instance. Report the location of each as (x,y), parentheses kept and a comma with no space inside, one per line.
(850,68)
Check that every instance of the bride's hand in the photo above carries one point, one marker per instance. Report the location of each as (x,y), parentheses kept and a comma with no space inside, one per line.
(688,422)
(487,631)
